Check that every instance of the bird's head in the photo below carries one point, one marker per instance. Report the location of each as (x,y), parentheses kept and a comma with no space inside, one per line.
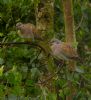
(55,41)
(19,25)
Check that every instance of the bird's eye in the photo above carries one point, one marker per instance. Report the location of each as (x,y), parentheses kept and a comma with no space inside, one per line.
(57,42)
(22,25)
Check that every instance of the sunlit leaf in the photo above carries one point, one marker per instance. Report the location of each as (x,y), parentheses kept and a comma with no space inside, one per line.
(1,70)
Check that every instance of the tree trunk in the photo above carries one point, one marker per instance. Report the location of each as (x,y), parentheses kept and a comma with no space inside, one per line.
(70,37)
(44,23)
(44,15)
(69,27)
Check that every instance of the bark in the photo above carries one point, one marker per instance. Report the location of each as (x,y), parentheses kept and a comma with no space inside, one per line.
(44,15)
(45,24)
(44,20)
(70,37)
(69,27)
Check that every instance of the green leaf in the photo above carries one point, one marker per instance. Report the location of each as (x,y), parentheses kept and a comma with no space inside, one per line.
(1,90)
(17,90)
(79,70)
(1,70)
(35,73)
(1,34)
(1,61)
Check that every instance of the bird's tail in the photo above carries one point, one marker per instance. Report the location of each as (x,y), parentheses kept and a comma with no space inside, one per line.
(78,59)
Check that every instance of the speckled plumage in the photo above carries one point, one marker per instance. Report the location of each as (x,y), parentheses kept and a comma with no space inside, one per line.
(63,50)
(28,30)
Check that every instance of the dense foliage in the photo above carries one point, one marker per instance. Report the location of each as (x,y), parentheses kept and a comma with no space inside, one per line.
(21,66)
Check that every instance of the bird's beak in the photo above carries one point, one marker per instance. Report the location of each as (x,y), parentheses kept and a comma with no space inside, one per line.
(18,25)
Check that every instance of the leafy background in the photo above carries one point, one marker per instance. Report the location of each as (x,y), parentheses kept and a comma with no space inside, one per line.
(16,61)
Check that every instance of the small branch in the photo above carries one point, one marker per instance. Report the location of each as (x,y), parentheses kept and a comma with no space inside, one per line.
(15,43)
(21,43)
(51,76)
(79,25)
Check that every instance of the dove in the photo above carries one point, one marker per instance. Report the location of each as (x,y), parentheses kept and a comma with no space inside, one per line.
(28,31)
(63,50)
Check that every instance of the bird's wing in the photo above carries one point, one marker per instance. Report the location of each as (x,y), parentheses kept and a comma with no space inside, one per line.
(57,52)
(68,50)
(34,30)
(30,27)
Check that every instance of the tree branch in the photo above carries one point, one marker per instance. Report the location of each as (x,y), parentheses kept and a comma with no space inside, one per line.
(79,25)
(21,43)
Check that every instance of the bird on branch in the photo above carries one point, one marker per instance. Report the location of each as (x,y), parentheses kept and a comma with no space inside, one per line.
(63,50)
(28,31)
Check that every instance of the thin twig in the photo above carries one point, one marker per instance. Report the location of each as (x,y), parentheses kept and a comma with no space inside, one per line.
(45,81)
(79,25)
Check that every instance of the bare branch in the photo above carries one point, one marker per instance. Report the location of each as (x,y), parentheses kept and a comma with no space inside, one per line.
(33,44)
(79,25)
